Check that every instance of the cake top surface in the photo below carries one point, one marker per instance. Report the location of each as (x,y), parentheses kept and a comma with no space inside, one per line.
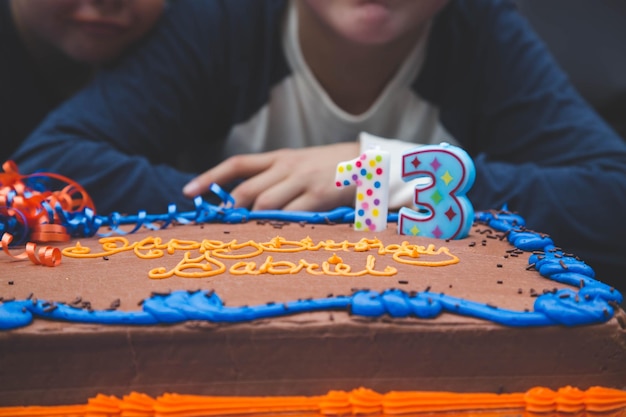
(247,271)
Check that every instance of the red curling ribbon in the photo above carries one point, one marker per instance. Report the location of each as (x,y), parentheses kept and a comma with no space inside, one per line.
(37,211)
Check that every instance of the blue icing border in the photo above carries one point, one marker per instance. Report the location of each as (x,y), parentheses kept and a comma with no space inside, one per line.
(592,303)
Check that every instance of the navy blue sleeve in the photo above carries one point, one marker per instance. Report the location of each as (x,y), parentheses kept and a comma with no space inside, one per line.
(537,146)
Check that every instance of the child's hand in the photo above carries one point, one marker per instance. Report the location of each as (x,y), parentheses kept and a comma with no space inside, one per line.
(288,179)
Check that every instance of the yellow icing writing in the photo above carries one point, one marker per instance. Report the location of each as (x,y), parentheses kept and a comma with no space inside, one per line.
(211,253)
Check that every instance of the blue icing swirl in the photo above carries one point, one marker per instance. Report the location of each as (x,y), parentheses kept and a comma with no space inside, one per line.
(565,307)
(529,241)
(591,304)
(568,308)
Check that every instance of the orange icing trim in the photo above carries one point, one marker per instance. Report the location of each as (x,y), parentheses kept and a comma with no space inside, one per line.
(154,247)
(336,403)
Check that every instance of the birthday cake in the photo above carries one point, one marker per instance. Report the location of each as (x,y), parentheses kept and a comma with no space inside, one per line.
(232,302)
(284,308)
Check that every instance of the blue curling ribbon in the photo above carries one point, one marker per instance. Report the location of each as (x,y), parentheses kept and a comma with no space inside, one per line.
(10,224)
(226,198)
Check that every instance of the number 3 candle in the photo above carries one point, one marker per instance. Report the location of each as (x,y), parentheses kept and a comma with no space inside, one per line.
(444,174)
(370,173)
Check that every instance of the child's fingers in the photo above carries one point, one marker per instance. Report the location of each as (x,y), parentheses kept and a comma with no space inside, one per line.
(228,171)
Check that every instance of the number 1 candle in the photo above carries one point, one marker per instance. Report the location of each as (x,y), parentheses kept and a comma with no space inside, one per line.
(370,173)
(444,174)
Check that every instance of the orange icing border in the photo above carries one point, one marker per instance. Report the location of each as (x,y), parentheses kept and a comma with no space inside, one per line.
(335,403)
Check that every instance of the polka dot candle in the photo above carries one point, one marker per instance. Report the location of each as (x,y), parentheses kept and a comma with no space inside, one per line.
(370,173)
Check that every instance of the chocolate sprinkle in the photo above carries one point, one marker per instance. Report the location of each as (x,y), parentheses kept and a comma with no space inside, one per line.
(402,281)
(50,309)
